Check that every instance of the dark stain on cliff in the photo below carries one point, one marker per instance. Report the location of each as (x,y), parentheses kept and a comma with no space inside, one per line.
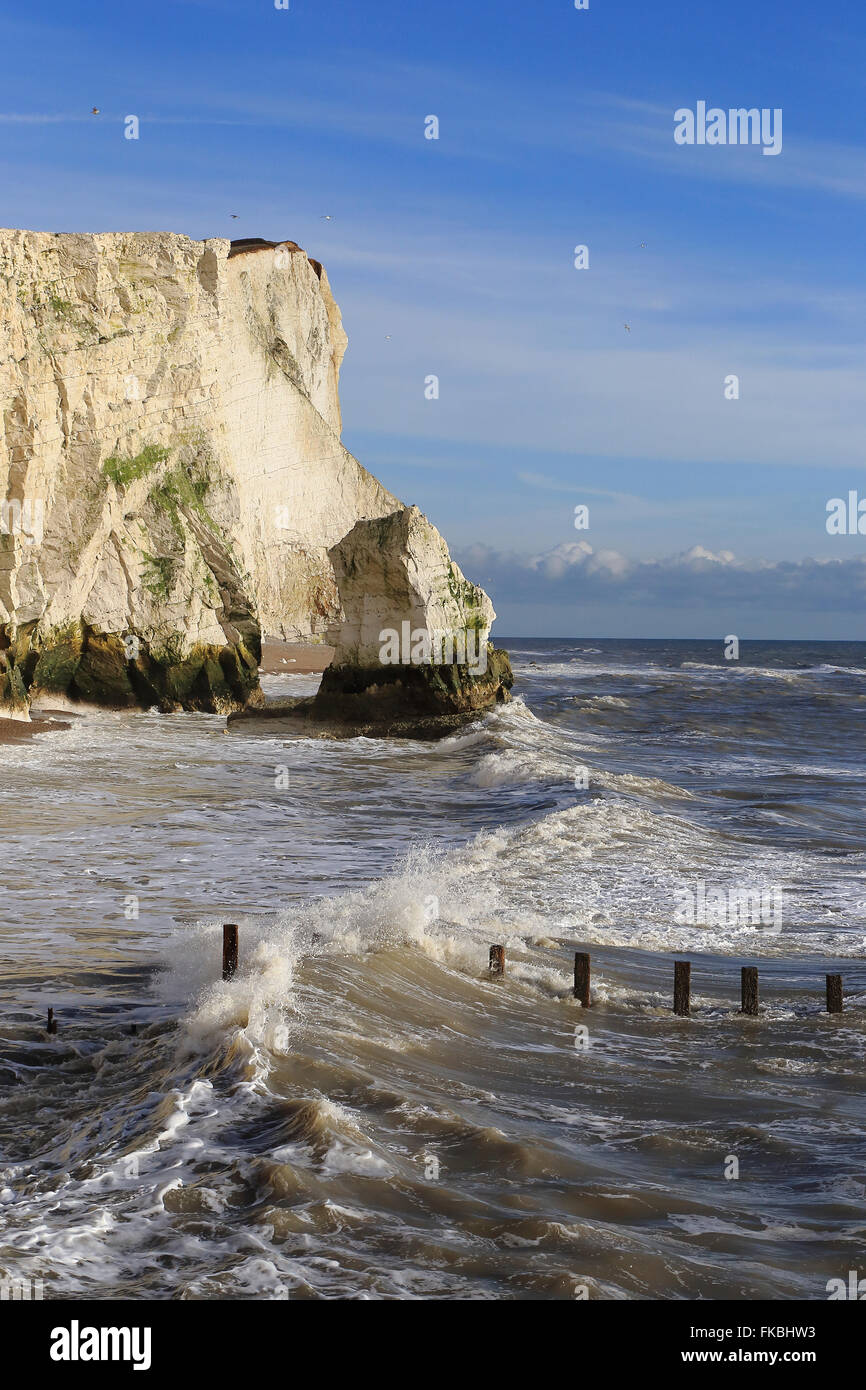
(256,243)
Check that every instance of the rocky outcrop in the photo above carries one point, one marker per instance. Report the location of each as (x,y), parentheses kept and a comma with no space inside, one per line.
(394,570)
(404,701)
(411,651)
(171,472)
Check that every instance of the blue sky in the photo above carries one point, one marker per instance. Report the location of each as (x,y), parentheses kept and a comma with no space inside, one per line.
(455,257)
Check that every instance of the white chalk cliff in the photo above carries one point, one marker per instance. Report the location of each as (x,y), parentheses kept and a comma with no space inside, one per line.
(171,471)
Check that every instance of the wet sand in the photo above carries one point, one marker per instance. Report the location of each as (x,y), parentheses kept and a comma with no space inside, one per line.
(19,730)
(294,658)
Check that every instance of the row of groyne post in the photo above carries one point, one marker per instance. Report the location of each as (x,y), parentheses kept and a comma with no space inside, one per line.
(682,983)
(682,1005)
(682,990)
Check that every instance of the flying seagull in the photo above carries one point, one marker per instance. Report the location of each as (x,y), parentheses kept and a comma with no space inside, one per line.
(326,217)
(627,327)
(94,110)
(234,214)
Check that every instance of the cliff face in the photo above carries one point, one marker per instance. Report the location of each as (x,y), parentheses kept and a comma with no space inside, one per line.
(171,472)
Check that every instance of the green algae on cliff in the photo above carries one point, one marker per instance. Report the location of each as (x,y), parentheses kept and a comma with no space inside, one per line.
(122,671)
(123,471)
(13,692)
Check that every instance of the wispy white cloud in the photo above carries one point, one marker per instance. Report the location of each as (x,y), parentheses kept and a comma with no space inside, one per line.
(42,117)
(531,353)
(383,105)
(644,132)
(106,118)
(628,505)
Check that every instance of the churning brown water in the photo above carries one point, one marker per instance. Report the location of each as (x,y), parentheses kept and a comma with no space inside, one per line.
(362,1111)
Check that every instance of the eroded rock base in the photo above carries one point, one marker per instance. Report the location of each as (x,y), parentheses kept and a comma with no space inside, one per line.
(421,702)
(79,665)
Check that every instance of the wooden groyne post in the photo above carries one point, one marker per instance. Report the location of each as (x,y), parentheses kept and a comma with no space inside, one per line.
(497,960)
(834,994)
(51,1026)
(749,989)
(682,987)
(230,950)
(581,977)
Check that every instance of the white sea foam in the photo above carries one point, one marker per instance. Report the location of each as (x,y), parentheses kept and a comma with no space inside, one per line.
(271,1133)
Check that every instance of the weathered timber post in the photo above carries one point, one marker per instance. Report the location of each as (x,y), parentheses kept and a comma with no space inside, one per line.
(230,950)
(682,987)
(581,978)
(749,989)
(52,1022)
(834,994)
(497,960)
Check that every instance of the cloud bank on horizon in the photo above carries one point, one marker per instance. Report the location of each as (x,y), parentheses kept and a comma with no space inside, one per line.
(694,579)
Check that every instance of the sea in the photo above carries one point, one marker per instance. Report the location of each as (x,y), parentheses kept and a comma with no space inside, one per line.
(364,1111)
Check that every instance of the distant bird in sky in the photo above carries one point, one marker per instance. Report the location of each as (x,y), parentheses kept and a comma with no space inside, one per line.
(326,217)
(234,214)
(387,337)
(627,327)
(94,110)
(643,244)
